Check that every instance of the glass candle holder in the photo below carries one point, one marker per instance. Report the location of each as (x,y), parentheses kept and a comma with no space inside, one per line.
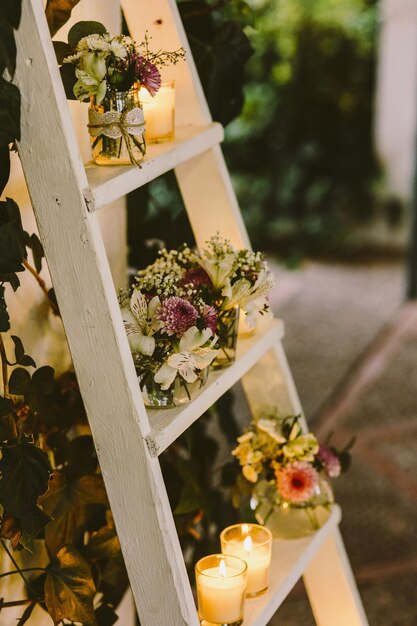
(159,112)
(253,544)
(221,587)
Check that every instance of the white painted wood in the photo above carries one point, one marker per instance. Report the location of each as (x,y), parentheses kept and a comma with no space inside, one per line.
(210,199)
(331,588)
(167,425)
(289,560)
(98,343)
(204,182)
(112,182)
(162,20)
(57,178)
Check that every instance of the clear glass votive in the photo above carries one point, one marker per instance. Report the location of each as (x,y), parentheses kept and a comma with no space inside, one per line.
(221,587)
(159,112)
(253,544)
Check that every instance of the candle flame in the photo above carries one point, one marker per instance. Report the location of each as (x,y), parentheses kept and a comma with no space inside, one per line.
(222,568)
(245,529)
(247,544)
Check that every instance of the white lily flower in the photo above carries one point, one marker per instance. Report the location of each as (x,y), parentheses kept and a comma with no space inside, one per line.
(140,323)
(219,269)
(195,353)
(269,427)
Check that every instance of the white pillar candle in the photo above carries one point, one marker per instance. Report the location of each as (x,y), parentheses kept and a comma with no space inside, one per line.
(221,586)
(159,112)
(252,543)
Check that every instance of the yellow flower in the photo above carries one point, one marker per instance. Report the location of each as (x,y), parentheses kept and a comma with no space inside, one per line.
(249,473)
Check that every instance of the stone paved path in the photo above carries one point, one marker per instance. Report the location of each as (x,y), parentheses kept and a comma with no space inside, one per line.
(352,346)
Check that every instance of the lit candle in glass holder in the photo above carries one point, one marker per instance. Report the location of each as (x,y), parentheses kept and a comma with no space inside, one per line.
(159,112)
(221,587)
(253,544)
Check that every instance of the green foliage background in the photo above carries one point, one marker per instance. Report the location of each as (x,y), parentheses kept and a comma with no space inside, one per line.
(301,151)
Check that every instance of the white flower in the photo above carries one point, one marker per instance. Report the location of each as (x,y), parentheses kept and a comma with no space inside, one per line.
(195,353)
(94,42)
(218,267)
(118,49)
(140,323)
(269,427)
(91,74)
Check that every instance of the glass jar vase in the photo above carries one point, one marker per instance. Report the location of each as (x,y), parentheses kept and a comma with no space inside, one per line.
(226,331)
(180,392)
(292,521)
(117,128)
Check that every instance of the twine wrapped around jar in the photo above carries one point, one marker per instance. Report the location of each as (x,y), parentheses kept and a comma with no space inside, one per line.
(118,119)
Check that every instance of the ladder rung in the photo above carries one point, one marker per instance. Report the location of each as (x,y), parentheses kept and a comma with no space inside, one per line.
(289,561)
(108,183)
(168,424)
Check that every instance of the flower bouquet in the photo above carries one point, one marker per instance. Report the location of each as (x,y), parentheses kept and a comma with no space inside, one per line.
(240,282)
(285,471)
(172,341)
(108,70)
(223,279)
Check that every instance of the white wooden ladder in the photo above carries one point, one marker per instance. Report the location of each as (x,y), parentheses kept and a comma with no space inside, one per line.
(65,196)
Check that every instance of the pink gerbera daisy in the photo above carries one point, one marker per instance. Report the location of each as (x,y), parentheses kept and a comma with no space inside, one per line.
(330,461)
(178,315)
(297,481)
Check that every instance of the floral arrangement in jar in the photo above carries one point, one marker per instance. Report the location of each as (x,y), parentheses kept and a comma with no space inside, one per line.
(285,473)
(171,332)
(108,70)
(241,281)
(223,278)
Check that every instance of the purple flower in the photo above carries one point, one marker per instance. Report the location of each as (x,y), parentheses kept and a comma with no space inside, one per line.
(330,461)
(148,75)
(178,315)
(210,316)
(197,277)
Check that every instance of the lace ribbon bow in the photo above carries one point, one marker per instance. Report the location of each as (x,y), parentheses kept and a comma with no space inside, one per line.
(114,125)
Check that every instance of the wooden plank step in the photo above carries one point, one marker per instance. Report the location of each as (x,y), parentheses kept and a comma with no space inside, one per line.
(168,424)
(108,183)
(289,561)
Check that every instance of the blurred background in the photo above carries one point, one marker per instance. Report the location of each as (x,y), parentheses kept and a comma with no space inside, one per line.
(319,102)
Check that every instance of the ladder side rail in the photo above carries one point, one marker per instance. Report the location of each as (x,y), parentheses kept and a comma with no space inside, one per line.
(210,199)
(331,587)
(162,20)
(204,181)
(100,350)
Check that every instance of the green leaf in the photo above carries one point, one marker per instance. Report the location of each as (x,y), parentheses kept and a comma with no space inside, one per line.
(62,50)
(69,79)
(58,13)
(82,29)
(69,589)
(25,472)
(189,501)
(44,380)
(4,167)
(20,357)
(5,406)
(19,381)
(11,278)
(105,615)
(11,10)
(67,503)
(9,112)
(12,245)
(104,544)
(37,251)
(27,613)
(4,316)
(7,47)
